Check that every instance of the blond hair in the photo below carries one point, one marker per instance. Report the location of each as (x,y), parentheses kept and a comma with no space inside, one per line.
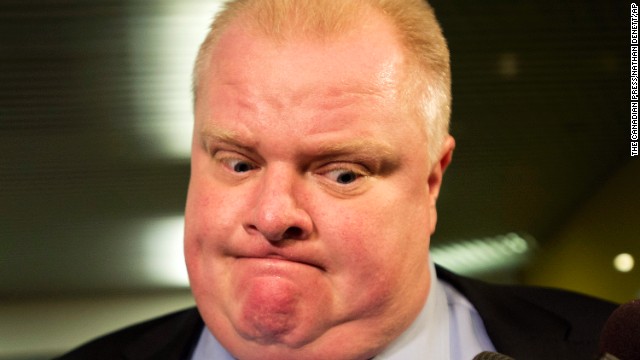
(429,90)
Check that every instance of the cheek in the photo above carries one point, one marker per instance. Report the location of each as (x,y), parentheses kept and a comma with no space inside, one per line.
(196,229)
(376,244)
(210,211)
(384,226)
(208,222)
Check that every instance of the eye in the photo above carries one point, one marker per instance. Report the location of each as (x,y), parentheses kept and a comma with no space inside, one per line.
(343,176)
(238,165)
(233,162)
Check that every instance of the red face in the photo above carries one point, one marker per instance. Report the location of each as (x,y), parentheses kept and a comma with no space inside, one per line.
(311,199)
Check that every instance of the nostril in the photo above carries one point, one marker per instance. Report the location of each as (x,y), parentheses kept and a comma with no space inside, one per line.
(293,232)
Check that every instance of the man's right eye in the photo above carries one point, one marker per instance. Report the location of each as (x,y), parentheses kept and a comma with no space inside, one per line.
(239,166)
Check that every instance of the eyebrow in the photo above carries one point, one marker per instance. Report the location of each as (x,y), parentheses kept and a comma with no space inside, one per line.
(218,134)
(377,154)
(362,149)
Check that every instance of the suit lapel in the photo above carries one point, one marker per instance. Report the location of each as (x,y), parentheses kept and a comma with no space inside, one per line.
(171,340)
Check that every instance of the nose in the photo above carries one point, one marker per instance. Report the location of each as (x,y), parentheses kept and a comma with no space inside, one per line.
(278,213)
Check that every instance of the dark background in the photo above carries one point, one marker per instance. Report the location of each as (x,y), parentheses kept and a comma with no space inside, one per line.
(91,93)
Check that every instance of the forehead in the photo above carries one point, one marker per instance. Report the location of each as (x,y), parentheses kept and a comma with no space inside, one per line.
(367,53)
(328,82)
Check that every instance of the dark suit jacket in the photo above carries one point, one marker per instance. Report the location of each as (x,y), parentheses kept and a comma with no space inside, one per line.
(522,322)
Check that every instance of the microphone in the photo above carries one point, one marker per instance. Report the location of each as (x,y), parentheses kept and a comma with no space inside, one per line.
(490,355)
(620,337)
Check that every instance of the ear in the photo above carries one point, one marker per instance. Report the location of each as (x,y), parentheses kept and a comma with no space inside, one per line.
(435,178)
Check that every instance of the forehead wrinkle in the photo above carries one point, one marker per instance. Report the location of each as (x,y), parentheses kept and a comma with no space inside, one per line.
(336,98)
(326,96)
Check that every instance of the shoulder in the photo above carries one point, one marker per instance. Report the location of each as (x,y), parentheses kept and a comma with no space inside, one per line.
(584,315)
(564,303)
(170,336)
(536,319)
(571,304)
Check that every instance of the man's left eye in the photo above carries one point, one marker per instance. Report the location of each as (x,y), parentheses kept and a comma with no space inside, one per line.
(343,176)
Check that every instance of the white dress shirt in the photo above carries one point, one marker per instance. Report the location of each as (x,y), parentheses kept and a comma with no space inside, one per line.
(447,328)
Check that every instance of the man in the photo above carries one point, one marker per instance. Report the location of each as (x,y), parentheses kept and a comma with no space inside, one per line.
(319,147)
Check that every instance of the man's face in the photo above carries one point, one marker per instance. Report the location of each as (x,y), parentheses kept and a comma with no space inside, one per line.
(311,198)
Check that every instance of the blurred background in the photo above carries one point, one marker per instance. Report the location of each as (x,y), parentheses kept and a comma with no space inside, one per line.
(95,120)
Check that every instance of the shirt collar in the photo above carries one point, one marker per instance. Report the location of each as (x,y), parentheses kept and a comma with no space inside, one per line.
(429,332)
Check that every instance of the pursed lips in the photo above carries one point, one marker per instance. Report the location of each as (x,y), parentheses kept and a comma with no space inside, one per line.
(275,258)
